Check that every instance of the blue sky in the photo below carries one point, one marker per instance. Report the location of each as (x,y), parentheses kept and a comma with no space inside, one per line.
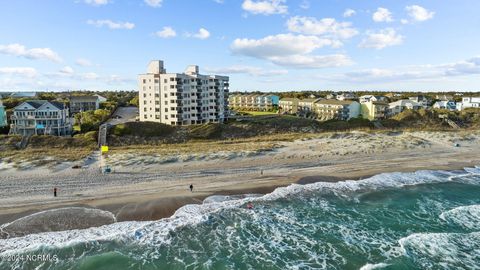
(270,45)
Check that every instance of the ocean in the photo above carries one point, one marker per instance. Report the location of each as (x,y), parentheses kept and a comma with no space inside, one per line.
(421,220)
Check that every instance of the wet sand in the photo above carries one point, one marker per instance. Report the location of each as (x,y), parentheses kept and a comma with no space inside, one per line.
(146,191)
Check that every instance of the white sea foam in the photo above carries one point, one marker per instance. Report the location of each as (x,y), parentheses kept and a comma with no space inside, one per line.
(465,216)
(443,250)
(370,266)
(157,232)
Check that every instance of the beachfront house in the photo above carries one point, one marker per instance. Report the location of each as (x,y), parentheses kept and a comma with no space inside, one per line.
(85,103)
(3,115)
(367,98)
(40,117)
(253,102)
(288,105)
(422,100)
(374,110)
(327,109)
(267,102)
(346,96)
(447,105)
(402,105)
(468,102)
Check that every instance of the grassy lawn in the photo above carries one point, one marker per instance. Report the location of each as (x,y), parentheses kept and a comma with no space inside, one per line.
(254,113)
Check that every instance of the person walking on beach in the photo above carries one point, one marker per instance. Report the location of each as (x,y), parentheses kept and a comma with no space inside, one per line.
(191,188)
(54,192)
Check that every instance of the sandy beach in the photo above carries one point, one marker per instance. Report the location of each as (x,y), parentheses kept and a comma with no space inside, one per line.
(149,186)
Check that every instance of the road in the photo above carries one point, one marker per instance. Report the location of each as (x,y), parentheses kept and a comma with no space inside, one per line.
(125,114)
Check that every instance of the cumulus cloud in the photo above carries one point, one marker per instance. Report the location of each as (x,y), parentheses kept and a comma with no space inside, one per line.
(382,15)
(349,13)
(67,70)
(111,24)
(327,26)
(21,71)
(467,67)
(381,39)
(166,32)
(419,14)
(305,4)
(154,3)
(201,34)
(34,53)
(83,62)
(97,2)
(254,71)
(290,50)
(265,7)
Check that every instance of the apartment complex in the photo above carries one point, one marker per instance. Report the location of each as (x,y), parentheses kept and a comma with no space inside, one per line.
(3,115)
(374,110)
(40,117)
(255,102)
(328,109)
(307,105)
(288,105)
(182,98)
(85,103)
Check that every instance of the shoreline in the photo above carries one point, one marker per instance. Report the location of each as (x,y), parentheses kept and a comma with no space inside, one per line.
(151,207)
(155,191)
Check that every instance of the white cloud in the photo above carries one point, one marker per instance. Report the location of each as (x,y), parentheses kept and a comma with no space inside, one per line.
(89,76)
(290,50)
(112,25)
(34,53)
(305,4)
(21,71)
(349,13)
(312,61)
(83,62)
(67,70)
(219,1)
(201,34)
(326,26)
(419,14)
(382,15)
(97,2)
(154,3)
(166,32)
(467,67)
(265,7)
(381,39)
(254,71)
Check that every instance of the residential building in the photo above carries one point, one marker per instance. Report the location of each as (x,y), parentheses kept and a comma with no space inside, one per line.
(468,102)
(288,105)
(182,98)
(374,110)
(332,96)
(444,97)
(306,105)
(422,100)
(368,98)
(85,103)
(41,117)
(23,95)
(447,105)
(256,102)
(3,115)
(327,109)
(402,105)
(346,96)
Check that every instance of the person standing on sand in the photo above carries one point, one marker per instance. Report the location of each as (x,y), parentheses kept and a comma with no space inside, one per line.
(191,188)
(54,192)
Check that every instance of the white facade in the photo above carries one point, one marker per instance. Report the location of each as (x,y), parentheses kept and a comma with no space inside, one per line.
(401,105)
(40,117)
(182,98)
(448,105)
(368,98)
(469,102)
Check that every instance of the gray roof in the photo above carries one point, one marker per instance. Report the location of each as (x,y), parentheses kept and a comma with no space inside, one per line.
(37,103)
(84,98)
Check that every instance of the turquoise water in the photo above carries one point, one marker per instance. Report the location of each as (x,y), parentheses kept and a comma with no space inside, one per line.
(422,220)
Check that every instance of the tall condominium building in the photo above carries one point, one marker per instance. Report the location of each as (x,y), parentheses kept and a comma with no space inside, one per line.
(182,98)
